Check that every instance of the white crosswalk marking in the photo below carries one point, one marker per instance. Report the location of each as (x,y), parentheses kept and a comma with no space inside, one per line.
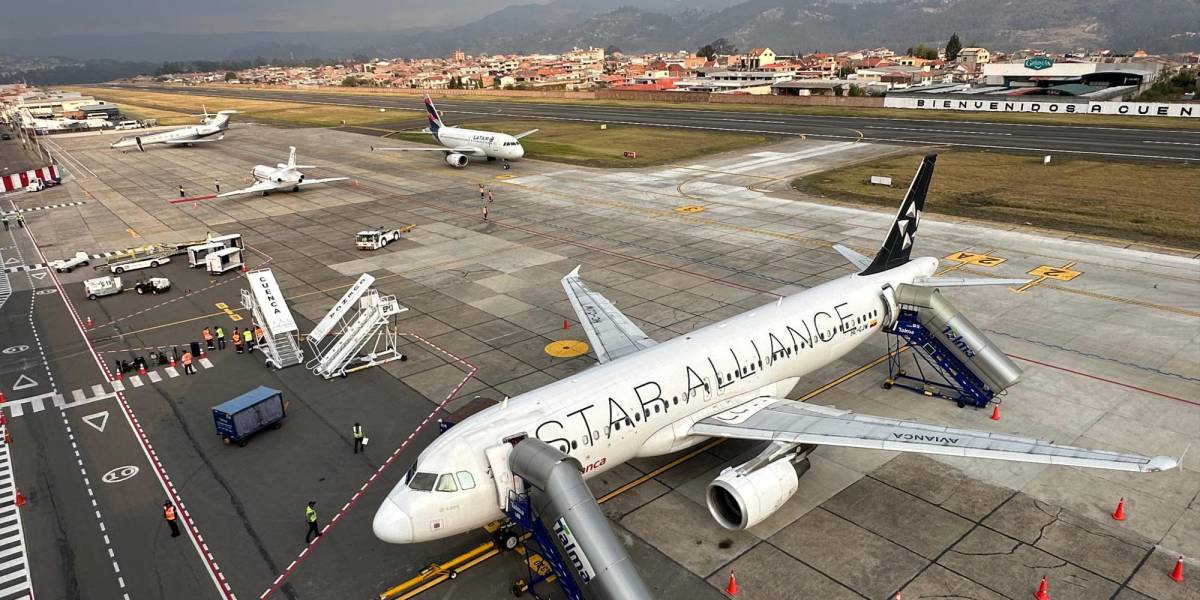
(14,583)
(33,404)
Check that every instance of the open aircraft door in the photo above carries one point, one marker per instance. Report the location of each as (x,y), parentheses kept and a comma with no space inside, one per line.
(891,310)
(497,457)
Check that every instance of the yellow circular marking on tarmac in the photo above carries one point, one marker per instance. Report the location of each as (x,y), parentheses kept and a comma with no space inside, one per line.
(689,208)
(566,348)
(505,176)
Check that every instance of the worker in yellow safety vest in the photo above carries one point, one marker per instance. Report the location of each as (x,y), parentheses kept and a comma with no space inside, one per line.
(310,516)
(357,430)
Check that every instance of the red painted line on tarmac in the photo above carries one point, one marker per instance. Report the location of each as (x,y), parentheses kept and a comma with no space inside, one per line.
(1106,380)
(191,199)
(210,563)
(306,552)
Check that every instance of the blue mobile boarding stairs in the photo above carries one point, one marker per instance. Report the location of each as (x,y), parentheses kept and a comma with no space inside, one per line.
(953,359)
(520,510)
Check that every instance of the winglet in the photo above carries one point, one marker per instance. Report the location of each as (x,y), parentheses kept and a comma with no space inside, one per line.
(1160,463)
(574,272)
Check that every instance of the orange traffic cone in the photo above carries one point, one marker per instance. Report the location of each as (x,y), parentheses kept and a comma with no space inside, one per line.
(996,412)
(1119,514)
(141,368)
(1177,572)
(731,590)
(1042,593)
(201,351)
(1,397)
(172,362)
(245,269)
(3,419)
(20,498)
(566,324)
(119,376)
(89,323)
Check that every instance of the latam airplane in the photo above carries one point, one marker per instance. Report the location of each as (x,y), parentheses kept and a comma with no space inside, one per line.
(282,176)
(210,125)
(463,143)
(726,380)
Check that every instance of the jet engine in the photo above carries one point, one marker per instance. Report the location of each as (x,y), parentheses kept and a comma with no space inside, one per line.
(739,500)
(456,160)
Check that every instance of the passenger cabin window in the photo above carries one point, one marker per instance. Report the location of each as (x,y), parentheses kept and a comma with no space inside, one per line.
(422,482)
(465,480)
(446,484)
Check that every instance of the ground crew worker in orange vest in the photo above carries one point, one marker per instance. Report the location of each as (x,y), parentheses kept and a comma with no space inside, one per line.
(208,338)
(258,334)
(188,369)
(169,515)
(237,341)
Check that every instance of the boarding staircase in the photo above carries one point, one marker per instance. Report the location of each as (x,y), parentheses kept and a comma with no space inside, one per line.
(280,348)
(370,324)
(521,511)
(966,387)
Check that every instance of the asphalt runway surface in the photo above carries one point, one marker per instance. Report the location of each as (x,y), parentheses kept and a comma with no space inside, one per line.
(1103,142)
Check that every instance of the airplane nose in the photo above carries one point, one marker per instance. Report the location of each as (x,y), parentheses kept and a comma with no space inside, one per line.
(392,525)
(520,151)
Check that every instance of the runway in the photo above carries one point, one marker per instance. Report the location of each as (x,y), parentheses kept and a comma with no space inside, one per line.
(1103,142)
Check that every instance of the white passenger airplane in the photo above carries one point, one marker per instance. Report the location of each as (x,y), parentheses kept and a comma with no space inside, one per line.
(462,143)
(210,125)
(726,380)
(282,176)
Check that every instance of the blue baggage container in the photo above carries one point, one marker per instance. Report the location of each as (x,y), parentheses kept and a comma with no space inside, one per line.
(249,413)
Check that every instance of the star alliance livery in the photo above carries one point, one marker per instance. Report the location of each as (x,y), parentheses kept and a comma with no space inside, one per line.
(210,126)
(463,143)
(727,380)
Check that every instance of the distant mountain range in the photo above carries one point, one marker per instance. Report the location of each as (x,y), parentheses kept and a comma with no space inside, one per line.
(1159,26)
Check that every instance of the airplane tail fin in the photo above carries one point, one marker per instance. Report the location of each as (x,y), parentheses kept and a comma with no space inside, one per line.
(291,164)
(138,139)
(435,118)
(898,245)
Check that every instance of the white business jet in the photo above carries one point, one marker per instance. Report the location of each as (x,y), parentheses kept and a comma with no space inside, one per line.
(211,129)
(280,177)
(726,380)
(463,143)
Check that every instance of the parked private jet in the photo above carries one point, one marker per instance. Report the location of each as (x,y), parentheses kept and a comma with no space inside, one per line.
(283,176)
(210,125)
(461,144)
(726,380)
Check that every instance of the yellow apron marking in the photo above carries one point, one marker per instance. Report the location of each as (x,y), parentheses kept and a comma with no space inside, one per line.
(689,208)
(982,260)
(566,348)
(233,316)
(1044,272)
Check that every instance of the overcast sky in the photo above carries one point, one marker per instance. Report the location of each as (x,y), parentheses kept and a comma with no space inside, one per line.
(27,18)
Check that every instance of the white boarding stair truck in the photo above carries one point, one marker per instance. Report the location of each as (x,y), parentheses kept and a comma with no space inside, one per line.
(727,380)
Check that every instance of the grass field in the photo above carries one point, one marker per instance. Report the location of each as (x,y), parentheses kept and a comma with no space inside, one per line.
(888,113)
(587,145)
(559,141)
(177,109)
(1144,202)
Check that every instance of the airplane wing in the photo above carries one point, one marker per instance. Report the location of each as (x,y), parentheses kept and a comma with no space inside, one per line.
(521,135)
(611,333)
(468,150)
(779,419)
(325,180)
(965,281)
(195,141)
(259,186)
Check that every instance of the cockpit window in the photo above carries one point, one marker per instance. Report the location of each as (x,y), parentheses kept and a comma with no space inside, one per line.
(465,480)
(422,482)
(446,484)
